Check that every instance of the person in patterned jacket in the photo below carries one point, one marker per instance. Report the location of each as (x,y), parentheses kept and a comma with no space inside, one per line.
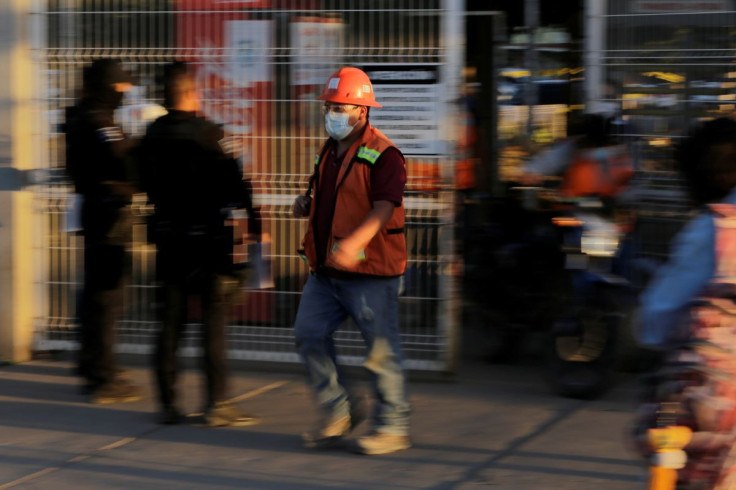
(688,315)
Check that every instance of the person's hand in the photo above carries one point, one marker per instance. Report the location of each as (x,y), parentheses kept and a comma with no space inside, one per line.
(300,208)
(344,255)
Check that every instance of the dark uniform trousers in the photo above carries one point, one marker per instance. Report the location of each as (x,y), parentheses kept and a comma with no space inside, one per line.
(215,291)
(106,272)
(192,182)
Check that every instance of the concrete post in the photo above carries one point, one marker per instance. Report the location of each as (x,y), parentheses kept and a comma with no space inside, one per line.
(531,60)
(595,45)
(453,35)
(16,217)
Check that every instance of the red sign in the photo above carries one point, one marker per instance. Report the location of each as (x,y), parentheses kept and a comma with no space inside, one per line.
(231,53)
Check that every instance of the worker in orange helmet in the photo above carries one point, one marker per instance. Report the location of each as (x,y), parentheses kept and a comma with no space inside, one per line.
(356,250)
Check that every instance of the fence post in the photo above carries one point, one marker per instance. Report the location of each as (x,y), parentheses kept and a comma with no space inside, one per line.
(453,36)
(531,60)
(595,45)
(16,217)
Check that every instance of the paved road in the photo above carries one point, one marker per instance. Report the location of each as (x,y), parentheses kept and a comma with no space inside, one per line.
(492,426)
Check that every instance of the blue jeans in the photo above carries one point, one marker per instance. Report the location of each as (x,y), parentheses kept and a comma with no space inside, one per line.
(372,303)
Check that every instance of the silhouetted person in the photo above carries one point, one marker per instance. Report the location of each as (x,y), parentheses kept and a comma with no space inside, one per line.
(686,317)
(193,184)
(98,162)
(707,162)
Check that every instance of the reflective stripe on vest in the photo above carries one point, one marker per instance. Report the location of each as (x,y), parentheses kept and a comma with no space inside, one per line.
(370,156)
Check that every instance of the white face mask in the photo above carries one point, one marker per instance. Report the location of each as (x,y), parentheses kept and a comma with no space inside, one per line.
(338,125)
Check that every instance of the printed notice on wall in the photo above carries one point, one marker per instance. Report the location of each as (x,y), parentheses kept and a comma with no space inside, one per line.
(410,96)
(314,42)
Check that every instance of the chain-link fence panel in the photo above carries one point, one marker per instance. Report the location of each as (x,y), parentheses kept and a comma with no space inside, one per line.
(260,65)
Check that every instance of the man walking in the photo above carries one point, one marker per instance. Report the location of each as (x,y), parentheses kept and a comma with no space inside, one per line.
(98,163)
(356,249)
(193,185)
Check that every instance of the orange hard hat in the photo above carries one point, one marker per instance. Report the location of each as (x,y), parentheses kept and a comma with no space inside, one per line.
(349,86)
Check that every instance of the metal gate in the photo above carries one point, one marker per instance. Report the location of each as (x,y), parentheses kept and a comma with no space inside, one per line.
(260,65)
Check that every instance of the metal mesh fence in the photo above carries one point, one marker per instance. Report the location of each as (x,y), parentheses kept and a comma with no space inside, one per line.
(260,66)
(666,65)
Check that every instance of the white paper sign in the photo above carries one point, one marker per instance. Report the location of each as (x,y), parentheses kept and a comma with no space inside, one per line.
(314,45)
(259,274)
(74,213)
(249,44)
(411,110)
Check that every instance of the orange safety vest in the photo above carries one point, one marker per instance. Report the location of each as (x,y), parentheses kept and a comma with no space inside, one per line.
(386,254)
(601,172)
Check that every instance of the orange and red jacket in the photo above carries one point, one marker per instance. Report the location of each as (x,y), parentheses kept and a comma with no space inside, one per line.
(604,172)
(385,255)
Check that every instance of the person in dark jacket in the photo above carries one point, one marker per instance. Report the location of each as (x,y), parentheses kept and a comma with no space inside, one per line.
(193,184)
(99,165)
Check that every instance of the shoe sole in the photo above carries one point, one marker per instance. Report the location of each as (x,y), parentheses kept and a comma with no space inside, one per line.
(323,443)
(376,452)
(117,399)
(243,423)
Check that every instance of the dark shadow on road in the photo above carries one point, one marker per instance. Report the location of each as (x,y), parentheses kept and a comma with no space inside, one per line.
(41,369)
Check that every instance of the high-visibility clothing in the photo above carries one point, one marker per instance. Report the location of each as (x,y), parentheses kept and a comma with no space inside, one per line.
(386,253)
(603,172)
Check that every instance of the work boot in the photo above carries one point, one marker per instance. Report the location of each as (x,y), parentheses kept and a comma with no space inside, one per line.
(330,431)
(115,391)
(380,443)
(333,429)
(225,414)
